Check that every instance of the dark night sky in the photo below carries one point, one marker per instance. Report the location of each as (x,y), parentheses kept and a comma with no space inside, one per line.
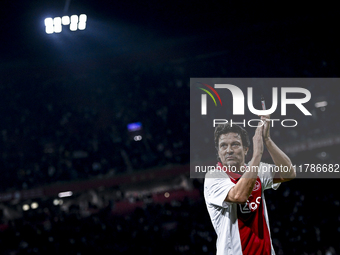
(161,30)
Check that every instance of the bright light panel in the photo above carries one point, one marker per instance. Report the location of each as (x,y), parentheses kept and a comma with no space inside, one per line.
(49,25)
(49,29)
(82,18)
(81,25)
(65,194)
(73,26)
(57,24)
(65,20)
(82,21)
(74,23)
(57,29)
(48,22)
(57,21)
(74,19)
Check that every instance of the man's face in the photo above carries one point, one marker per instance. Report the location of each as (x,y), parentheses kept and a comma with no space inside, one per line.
(231,150)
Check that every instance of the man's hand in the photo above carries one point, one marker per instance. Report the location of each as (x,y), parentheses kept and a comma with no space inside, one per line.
(266,127)
(278,156)
(257,140)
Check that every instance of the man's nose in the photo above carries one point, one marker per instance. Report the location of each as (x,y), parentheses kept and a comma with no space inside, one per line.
(229,149)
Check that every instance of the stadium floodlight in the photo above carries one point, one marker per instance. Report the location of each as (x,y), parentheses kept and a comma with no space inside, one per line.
(54,25)
(82,21)
(49,25)
(57,24)
(74,23)
(65,20)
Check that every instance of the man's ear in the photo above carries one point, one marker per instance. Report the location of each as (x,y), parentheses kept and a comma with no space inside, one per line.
(246,149)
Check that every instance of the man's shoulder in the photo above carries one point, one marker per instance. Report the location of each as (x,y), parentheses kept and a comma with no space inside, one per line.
(215,174)
(216,179)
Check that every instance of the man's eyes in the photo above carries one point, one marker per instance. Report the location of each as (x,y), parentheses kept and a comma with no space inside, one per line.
(233,145)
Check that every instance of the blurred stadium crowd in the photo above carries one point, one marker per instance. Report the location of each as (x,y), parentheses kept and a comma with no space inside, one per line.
(59,128)
(64,128)
(179,226)
(68,129)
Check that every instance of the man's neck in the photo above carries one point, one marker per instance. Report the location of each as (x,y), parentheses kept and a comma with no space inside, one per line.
(236,169)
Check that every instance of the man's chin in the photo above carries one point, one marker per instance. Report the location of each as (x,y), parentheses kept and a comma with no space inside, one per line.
(231,164)
(234,167)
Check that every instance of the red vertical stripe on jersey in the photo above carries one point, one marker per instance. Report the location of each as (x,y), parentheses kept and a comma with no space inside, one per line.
(254,233)
(253,229)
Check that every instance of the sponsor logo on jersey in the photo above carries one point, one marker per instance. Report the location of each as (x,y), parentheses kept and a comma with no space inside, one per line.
(250,207)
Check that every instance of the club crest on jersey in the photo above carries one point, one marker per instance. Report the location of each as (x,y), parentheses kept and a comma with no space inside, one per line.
(256,186)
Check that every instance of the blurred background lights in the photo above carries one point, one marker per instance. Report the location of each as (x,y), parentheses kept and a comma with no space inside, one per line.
(65,194)
(57,202)
(34,205)
(137,138)
(55,25)
(25,207)
(321,104)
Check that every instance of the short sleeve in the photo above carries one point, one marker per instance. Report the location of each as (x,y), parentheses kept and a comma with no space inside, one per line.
(266,175)
(216,189)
